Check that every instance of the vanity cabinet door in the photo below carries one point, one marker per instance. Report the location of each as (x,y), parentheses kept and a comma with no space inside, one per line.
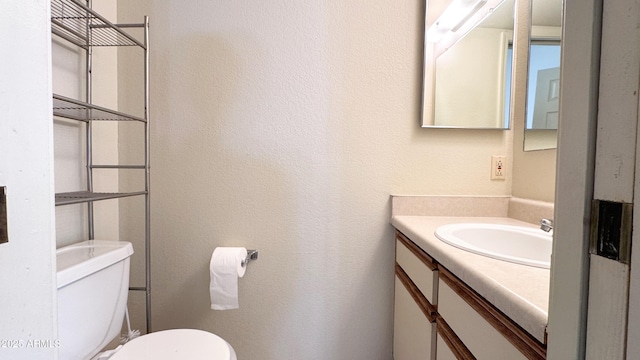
(485,331)
(448,344)
(478,335)
(443,352)
(413,332)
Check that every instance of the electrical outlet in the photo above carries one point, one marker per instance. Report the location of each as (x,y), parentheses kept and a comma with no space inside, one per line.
(498,167)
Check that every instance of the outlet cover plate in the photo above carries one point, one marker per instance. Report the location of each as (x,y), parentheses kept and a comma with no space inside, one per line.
(498,167)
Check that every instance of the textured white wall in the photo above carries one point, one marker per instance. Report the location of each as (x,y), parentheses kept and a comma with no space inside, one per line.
(285,126)
(27,264)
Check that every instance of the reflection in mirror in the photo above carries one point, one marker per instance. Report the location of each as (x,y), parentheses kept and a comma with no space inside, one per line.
(467,77)
(544,84)
(544,75)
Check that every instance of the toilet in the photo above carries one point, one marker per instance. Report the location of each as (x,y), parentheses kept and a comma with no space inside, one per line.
(93,285)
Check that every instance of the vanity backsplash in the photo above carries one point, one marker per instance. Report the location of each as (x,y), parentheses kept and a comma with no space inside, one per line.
(531,211)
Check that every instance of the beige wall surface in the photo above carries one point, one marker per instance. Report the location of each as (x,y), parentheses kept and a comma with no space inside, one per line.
(285,126)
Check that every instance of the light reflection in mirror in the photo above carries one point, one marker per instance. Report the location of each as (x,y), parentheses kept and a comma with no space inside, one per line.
(467,74)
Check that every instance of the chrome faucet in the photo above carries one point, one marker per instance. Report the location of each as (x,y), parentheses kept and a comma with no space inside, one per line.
(546,225)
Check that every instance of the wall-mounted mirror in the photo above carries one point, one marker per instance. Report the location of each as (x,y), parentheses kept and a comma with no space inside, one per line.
(543,81)
(467,65)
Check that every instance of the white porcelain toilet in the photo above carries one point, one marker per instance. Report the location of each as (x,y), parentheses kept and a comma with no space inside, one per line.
(93,285)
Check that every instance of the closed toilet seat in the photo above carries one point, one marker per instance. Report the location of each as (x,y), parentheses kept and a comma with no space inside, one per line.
(176,344)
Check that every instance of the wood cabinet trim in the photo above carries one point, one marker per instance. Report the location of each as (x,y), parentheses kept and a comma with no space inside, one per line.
(522,340)
(452,340)
(427,308)
(417,251)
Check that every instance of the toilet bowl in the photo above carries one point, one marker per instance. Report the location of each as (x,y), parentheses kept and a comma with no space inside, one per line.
(93,283)
(176,344)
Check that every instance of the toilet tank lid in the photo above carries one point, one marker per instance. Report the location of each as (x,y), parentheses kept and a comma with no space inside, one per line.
(85,258)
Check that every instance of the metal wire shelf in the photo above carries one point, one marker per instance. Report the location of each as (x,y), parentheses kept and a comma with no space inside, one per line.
(79,197)
(78,110)
(77,23)
(74,21)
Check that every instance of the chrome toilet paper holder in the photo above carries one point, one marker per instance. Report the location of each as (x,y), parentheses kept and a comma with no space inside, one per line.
(251,255)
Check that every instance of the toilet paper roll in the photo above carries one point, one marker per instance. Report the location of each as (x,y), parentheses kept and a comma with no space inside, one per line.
(226,267)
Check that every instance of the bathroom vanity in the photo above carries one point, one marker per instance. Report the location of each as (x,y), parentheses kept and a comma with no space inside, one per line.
(454,304)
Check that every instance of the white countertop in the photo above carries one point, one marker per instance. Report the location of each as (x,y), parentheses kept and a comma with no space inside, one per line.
(519,291)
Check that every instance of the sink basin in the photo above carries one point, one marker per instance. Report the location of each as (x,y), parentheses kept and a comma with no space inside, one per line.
(517,244)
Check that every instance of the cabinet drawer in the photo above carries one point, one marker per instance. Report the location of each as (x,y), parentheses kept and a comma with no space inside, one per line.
(419,266)
(484,330)
(413,333)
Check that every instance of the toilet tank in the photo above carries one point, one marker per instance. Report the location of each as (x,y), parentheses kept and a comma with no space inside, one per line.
(93,284)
